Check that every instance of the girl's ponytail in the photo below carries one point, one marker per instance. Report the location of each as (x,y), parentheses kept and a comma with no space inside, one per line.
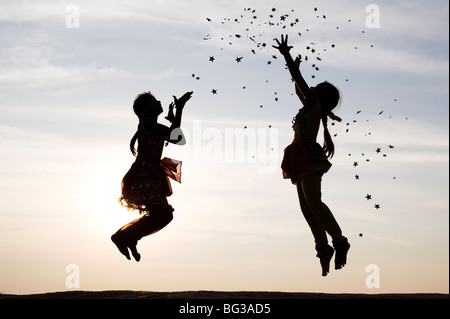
(330,97)
(328,145)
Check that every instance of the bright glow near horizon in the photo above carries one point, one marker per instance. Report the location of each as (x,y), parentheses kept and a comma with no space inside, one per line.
(66,121)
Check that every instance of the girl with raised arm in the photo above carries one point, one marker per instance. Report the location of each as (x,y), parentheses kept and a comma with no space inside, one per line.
(305,161)
(146,185)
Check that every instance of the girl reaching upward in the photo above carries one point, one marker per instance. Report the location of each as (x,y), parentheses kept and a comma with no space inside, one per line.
(305,161)
(146,185)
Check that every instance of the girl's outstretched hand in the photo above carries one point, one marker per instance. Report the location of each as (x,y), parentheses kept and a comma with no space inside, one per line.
(179,103)
(283,45)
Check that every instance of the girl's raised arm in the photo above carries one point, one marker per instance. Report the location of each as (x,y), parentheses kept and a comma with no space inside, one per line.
(302,88)
(172,134)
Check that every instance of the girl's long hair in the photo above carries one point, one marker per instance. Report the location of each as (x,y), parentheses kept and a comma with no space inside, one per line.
(133,143)
(329,97)
(140,102)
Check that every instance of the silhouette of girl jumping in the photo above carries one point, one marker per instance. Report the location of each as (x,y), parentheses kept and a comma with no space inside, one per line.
(146,185)
(305,161)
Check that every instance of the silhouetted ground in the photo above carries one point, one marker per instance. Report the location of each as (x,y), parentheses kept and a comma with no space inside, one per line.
(231,295)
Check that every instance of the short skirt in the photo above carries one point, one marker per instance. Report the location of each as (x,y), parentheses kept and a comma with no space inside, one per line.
(146,185)
(302,159)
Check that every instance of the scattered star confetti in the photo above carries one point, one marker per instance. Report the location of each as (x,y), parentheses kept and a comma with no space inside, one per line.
(249,34)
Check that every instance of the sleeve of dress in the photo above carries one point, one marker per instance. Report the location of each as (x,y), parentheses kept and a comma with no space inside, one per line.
(172,168)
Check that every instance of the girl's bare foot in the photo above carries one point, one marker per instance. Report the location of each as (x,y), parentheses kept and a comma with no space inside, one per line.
(341,248)
(120,245)
(325,254)
(134,252)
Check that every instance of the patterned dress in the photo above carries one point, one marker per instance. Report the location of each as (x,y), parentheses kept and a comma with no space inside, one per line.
(146,185)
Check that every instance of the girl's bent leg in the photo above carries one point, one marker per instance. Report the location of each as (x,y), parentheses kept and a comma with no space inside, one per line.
(128,236)
(154,222)
(144,226)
